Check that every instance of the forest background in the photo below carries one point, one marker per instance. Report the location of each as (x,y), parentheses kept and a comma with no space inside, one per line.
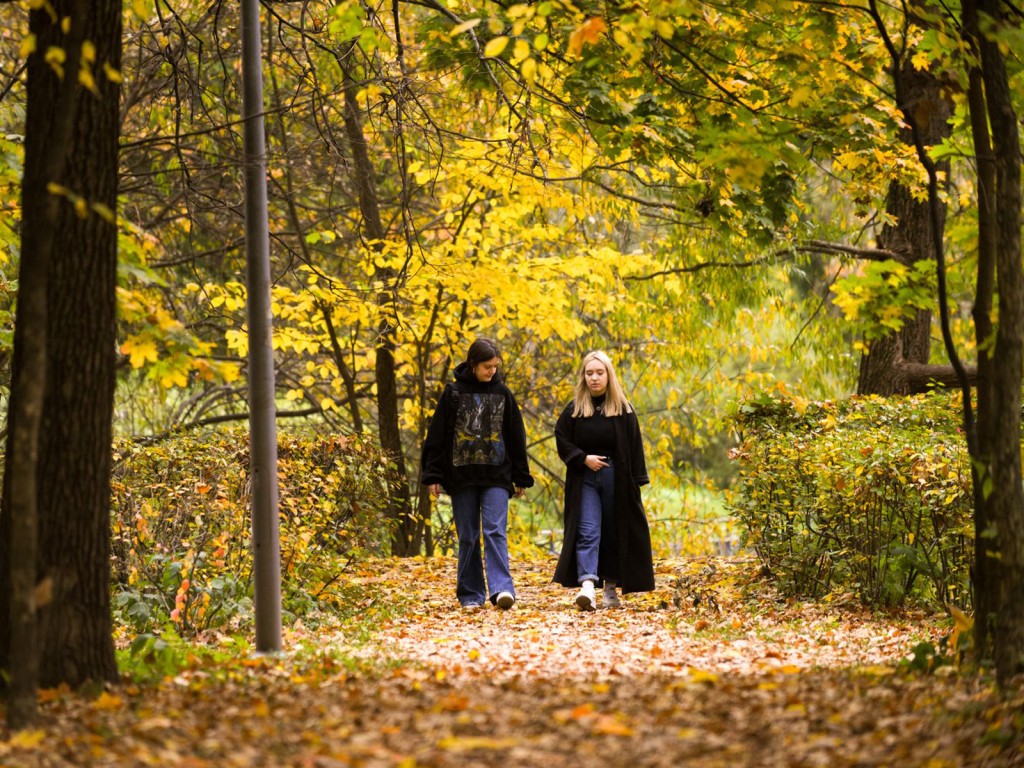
(727,200)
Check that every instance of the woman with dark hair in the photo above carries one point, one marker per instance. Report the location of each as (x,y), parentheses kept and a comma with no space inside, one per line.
(475,450)
(607,540)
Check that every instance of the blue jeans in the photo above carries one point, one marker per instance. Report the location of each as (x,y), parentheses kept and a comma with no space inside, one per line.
(470,506)
(597,507)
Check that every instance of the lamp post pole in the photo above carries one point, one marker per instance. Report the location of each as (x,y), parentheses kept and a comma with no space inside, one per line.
(262,410)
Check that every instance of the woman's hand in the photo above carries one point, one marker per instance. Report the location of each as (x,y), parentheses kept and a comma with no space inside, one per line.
(595,463)
(519,492)
(435,489)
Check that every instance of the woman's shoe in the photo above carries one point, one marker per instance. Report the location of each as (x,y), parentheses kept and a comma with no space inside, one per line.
(586,600)
(505,600)
(609,597)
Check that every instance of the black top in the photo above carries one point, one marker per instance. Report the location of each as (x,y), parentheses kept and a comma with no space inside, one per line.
(476,436)
(596,434)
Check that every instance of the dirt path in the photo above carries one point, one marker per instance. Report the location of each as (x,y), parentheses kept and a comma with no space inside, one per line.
(659,682)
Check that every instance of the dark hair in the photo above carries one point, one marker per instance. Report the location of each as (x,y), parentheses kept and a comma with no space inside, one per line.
(480,350)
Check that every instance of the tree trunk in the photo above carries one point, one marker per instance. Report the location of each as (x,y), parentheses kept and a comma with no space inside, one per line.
(910,236)
(1007,497)
(74,640)
(48,123)
(985,574)
(406,538)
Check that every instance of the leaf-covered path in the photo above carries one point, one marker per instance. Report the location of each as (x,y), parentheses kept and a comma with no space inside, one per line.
(658,682)
(653,634)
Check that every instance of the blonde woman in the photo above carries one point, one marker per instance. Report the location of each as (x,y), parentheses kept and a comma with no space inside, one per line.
(607,541)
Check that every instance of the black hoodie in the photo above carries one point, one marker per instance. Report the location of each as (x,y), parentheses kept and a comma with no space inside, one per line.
(476,436)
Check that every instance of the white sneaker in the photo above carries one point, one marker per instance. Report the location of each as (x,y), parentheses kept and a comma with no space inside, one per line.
(585,600)
(505,600)
(610,598)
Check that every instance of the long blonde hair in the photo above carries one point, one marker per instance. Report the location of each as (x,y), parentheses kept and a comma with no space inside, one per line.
(615,402)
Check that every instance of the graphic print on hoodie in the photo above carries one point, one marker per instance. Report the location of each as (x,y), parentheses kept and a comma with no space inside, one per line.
(478,419)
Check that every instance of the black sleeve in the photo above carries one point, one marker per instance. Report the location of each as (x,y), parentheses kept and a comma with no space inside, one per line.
(567,450)
(515,441)
(636,448)
(432,459)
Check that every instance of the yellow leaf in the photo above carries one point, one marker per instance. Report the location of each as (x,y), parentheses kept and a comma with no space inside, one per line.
(529,70)
(139,352)
(611,726)
(520,51)
(28,46)
(230,372)
(86,80)
(105,213)
(801,95)
(700,676)
(963,621)
(107,701)
(172,378)
(113,74)
(27,739)
(55,56)
(465,26)
(495,46)
(468,743)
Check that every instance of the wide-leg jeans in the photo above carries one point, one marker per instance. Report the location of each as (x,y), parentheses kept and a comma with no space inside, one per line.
(482,510)
(597,507)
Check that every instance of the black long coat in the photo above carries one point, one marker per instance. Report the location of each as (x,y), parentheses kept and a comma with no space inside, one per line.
(625,554)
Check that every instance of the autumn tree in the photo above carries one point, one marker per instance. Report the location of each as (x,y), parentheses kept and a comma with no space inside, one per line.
(57,470)
(995,438)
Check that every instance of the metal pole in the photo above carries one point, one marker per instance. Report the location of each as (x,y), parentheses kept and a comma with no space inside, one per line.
(262,426)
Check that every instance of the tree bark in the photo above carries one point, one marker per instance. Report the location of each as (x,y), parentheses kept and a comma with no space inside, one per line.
(74,642)
(985,574)
(911,239)
(48,122)
(1007,495)
(406,538)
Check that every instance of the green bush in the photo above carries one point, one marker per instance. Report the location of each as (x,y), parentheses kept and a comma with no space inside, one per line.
(866,495)
(182,526)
